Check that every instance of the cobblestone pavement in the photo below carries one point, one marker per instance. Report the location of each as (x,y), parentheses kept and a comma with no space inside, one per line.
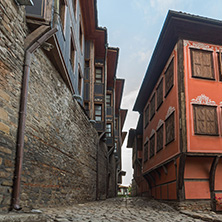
(118,209)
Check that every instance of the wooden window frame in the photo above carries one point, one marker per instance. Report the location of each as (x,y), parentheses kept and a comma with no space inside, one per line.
(152,139)
(72,51)
(110,102)
(80,80)
(152,106)
(172,115)
(81,34)
(62,14)
(145,151)
(101,68)
(146,116)
(219,56)
(109,134)
(159,101)
(74,4)
(168,90)
(159,148)
(98,115)
(192,66)
(195,123)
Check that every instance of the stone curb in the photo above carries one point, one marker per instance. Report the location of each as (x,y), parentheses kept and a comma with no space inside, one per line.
(203,216)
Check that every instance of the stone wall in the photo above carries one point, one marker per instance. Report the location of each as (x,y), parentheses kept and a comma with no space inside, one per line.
(61,144)
(60,153)
(12,34)
(112,177)
(102,171)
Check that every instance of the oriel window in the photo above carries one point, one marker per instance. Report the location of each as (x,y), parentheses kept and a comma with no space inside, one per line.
(169,77)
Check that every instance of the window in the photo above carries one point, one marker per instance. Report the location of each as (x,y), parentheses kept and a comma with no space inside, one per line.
(160,138)
(220,65)
(159,92)
(108,99)
(152,107)
(169,77)
(152,146)
(145,153)
(146,116)
(169,129)
(98,77)
(80,82)
(98,112)
(80,34)
(62,9)
(202,64)
(205,120)
(108,130)
(74,2)
(72,53)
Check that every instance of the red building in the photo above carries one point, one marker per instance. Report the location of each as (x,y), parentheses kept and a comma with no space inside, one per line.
(178,141)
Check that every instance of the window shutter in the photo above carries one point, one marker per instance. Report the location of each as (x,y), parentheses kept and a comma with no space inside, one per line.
(205,120)
(160,94)
(170,131)
(152,107)
(202,64)
(169,77)
(152,146)
(160,139)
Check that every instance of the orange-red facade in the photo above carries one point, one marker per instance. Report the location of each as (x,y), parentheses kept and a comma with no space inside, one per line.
(180,122)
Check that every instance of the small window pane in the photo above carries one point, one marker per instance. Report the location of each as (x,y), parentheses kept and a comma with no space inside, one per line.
(98,112)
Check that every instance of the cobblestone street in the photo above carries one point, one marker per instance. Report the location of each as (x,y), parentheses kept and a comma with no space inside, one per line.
(118,209)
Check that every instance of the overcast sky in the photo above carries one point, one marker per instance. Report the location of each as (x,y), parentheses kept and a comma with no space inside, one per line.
(134,26)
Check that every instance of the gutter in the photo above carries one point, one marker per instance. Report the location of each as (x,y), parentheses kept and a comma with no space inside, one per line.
(33,42)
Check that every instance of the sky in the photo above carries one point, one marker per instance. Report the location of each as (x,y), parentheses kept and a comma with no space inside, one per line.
(134,27)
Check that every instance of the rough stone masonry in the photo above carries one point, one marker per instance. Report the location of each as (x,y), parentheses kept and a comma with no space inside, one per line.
(61,144)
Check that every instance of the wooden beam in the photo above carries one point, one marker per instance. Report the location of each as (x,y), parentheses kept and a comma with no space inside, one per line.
(152,178)
(147,180)
(181,96)
(180,179)
(212,181)
(158,173)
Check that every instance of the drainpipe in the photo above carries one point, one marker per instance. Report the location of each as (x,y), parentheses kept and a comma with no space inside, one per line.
(33,42)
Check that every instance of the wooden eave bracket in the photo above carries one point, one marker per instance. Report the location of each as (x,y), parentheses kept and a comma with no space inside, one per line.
(165,169)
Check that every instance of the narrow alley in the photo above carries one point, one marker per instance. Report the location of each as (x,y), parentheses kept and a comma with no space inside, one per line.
(118,209)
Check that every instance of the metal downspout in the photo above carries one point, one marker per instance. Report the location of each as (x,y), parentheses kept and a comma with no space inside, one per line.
(33,42)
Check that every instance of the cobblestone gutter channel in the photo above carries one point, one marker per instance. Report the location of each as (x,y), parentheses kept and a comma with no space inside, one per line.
(115,209)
